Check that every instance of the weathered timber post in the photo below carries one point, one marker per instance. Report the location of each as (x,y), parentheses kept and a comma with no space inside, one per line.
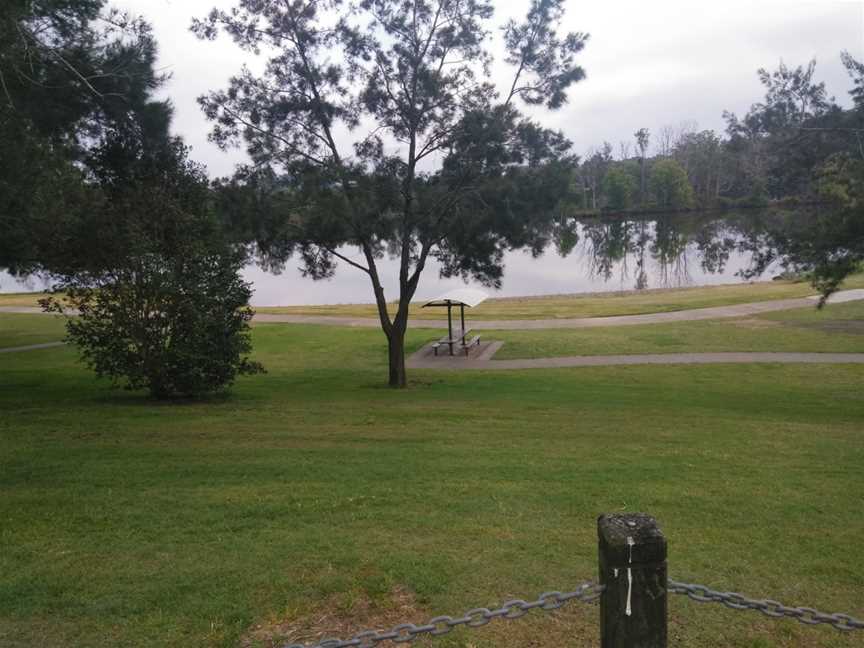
(450,325)
(633,571)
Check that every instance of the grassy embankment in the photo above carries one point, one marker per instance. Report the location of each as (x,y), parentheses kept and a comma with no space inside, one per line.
(592,304)
(838,328)
(313,496)
(564,306)
(23,330)
(20,299)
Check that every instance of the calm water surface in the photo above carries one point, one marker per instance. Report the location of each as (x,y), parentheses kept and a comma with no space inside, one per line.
(596,256)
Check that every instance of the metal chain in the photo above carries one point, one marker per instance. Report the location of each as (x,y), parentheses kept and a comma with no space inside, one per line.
(806,615)
(587,592)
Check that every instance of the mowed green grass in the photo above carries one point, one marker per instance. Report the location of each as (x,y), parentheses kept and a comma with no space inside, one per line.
(315,491)
(837,328)
(22,330)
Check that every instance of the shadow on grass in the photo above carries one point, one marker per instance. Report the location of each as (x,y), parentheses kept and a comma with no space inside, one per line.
(119,395)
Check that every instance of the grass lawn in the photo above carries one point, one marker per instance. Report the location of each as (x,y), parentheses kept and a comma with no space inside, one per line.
(21,330)
(314,497)
(20,299)
(595,305)
(836,328)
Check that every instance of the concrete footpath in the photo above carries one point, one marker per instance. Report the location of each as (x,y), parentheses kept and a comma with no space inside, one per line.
(32,347)
(424,360)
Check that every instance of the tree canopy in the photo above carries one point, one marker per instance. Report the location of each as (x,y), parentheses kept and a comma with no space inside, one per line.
(669,185)
(619,187)
(156,292)
(376,125)
(70,72)
(95,193)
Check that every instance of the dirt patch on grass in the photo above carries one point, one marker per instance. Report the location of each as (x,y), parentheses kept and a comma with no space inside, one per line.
(575,626)
(340,616)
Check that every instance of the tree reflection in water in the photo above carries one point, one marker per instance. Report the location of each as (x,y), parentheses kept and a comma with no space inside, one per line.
(659,252)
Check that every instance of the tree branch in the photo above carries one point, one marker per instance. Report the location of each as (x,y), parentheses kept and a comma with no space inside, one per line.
(346,259)
(380,301)
(266,133)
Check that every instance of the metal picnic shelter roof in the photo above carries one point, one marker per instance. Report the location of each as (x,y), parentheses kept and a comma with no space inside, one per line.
(469,297)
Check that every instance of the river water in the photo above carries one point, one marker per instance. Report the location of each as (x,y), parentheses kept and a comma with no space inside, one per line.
(608,255)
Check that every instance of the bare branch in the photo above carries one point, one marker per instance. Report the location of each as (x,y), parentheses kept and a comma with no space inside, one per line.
(346,259)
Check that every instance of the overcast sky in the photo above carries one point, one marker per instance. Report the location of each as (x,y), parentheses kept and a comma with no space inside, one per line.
(648,63)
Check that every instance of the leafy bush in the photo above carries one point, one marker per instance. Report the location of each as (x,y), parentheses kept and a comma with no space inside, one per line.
(177,326)
(670,186)
(724,202)
(788,201)
(159,298)
(618,188)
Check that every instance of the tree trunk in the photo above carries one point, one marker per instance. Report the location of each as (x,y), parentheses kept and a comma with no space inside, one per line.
(642,180)
(394,330)
(396,352)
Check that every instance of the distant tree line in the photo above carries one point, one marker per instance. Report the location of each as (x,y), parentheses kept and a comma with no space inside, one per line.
(773,153)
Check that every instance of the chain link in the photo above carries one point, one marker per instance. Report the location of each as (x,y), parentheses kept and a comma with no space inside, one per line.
(806,615)
(587,592)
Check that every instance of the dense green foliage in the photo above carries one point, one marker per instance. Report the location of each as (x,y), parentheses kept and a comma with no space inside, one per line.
(159,300)
(618,188)
(70,72)
(415,74)
(829,243)
(669,185)
(95,193)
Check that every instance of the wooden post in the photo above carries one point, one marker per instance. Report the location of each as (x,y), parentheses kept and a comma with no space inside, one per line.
(633,569)
(450,326)
(462,313)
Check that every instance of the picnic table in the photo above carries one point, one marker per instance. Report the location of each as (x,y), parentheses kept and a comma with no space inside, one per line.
(461,298)
(461,340)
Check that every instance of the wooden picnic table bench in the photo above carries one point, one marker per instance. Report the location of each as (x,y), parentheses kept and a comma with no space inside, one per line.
(463,340)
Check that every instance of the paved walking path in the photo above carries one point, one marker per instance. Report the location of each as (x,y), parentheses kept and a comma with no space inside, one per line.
(421,360)
(32,347)
(691,315)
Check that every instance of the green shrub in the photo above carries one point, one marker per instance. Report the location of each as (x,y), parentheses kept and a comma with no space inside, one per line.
(176,326)
(159,299)
(670,186)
